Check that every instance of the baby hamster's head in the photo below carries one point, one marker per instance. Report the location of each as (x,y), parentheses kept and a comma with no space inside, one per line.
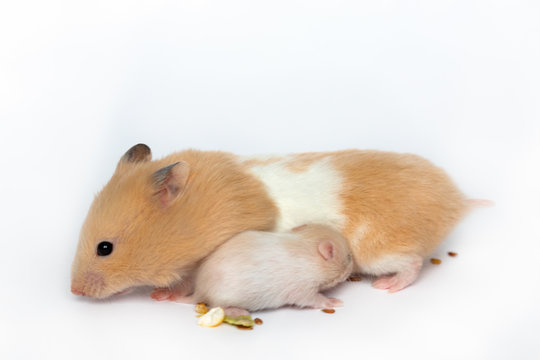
(334,255)
(124,239)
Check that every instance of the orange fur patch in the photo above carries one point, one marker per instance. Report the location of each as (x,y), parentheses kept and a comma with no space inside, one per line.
(396,204)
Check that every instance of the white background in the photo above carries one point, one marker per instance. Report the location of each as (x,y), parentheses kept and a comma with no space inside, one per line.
(457,82)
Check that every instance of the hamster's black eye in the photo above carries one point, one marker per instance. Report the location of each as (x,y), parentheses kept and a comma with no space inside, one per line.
(104,248)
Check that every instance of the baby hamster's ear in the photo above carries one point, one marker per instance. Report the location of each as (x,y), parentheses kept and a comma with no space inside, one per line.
(170,181)
(326,249)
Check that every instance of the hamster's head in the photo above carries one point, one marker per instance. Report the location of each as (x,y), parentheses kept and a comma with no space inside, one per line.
(125,240)
(334,255)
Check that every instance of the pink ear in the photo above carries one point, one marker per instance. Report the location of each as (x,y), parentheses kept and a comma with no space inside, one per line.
(170,181)
(326,249)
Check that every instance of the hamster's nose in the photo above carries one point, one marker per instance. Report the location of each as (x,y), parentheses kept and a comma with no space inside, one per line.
(77,292)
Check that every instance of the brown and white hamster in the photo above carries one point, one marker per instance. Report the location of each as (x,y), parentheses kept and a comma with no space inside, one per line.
(155,221)
(258,270)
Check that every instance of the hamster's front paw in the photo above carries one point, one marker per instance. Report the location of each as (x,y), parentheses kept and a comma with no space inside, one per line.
(178,292)
(161,294)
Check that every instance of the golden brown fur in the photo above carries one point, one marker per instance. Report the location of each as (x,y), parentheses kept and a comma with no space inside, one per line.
(156,245)
(401,203)
(392,204)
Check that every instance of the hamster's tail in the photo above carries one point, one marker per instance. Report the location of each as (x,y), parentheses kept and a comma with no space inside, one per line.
(476,203)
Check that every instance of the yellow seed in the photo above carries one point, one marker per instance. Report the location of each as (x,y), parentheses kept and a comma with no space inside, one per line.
(201,308)
(328,311)
(435,261)
(213,317)
(452,254)
(355,278)
(258,321)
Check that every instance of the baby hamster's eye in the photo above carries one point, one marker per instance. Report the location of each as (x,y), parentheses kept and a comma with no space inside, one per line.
(104,248)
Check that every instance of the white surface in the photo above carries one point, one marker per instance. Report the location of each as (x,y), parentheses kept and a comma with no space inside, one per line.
(455,81)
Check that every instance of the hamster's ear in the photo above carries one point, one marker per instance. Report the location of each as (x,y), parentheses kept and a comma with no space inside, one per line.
(137,153)
(326,249)
(170,181)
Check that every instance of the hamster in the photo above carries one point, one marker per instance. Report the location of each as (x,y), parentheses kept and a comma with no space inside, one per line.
(258,270)
(154,221)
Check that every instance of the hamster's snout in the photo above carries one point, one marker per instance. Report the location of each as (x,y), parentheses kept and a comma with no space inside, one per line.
(76,292)
(90,284)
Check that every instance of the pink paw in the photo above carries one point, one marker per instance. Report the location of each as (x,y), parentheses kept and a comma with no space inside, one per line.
(392,283)
(332,303)
(236,311)
(161,294)
(402,278)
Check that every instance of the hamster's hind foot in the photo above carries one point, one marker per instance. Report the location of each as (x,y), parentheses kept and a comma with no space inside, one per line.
(236,311)
(318,301)
(333,303)
(400,279)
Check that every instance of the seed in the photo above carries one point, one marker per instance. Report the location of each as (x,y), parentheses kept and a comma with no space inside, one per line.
(328,311)
(242,320)
(355,278)
(258,321)
(244,327)
(435,261)
(212,318)
(201,308)
(452,254)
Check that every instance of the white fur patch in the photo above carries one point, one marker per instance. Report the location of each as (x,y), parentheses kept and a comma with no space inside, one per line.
(391,264)
(310,196)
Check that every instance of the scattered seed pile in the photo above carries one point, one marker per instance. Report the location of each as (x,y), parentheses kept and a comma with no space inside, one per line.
(215,316)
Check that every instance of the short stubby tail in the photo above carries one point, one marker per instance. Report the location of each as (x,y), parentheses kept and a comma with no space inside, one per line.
(476,203)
